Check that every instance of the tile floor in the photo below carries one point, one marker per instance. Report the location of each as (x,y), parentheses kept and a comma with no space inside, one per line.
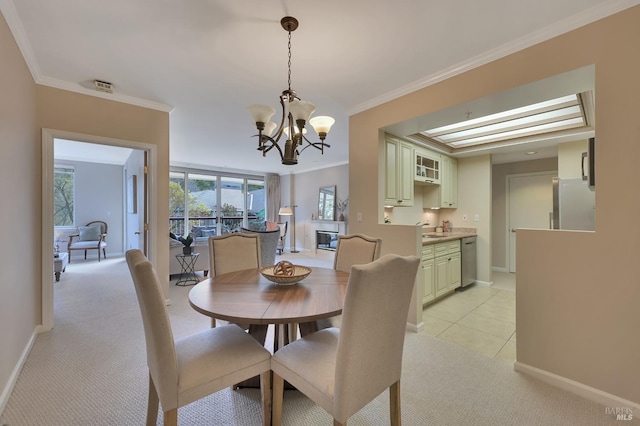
(482,319)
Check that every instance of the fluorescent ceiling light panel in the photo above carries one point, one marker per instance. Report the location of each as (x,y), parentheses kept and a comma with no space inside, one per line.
(543,117)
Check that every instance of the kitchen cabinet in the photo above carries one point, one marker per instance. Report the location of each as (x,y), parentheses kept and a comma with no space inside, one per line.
(428,274)
(446,267)
(426,167)
(399,158)
(444,195)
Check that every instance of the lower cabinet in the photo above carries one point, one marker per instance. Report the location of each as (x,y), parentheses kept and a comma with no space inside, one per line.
(428,293)
(441,274)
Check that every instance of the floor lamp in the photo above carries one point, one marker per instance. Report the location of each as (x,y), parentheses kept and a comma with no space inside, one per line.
(289,211)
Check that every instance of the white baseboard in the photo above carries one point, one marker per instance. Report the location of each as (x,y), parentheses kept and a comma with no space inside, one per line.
(6,392)
(416,328)
(577,388)
(483,283)
(499,269)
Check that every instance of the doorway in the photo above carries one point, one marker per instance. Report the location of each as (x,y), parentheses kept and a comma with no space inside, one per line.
(529,204)
(48,144)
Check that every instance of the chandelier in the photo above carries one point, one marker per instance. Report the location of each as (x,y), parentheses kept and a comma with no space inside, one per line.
(295,114)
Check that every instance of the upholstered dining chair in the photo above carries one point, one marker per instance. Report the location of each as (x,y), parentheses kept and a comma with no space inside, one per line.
(90,237)
(352,365)
(352,249)
(183,371)
(268,244)
(233,252)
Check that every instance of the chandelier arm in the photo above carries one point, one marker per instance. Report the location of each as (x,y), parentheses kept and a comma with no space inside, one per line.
(265,139)
(316,145)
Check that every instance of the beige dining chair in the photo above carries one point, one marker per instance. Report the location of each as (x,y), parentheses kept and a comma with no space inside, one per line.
(234,252)
(186,370)
(343,369)
(352,249)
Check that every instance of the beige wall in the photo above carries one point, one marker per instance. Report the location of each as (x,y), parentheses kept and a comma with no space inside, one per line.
(577,314)
(26,108)
(20,269)
(499,220)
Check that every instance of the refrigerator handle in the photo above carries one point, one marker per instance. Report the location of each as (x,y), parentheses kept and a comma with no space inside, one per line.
(584,156)
(550,220)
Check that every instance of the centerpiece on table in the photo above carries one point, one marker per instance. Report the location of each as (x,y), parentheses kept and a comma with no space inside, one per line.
(285,273)
(341,205)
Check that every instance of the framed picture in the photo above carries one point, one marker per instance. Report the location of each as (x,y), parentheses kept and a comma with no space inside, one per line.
(132,194)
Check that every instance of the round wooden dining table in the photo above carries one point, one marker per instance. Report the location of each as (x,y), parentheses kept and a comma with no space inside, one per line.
(247,297)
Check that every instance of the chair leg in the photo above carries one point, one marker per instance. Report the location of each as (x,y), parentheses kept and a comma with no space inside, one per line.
(85,255)
(278,395)
(104,253)
(394,397)
(171,417)
(265,394)
(152,404)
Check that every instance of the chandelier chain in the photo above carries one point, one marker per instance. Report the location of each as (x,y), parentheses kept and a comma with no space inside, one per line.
(289,65)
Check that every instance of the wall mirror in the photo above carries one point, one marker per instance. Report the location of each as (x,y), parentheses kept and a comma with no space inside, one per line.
(327,203)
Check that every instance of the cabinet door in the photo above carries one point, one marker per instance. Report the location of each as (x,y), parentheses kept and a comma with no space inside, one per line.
(405,174)
(391,171)
(453,183)
(455,271)
(428,293)
(441,267)
(426,167)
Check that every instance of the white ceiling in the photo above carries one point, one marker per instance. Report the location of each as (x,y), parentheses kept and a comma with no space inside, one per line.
(206,60)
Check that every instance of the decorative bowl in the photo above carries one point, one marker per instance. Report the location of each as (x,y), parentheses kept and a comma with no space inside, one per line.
(299,273)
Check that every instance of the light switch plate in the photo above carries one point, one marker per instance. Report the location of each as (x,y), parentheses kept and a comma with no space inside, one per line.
(359,217)
(476,217)
(464,217)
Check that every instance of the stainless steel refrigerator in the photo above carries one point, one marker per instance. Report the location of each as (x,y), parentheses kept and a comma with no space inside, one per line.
(574,205)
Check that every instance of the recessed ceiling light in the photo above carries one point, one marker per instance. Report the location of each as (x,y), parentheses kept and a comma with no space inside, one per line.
(530,152)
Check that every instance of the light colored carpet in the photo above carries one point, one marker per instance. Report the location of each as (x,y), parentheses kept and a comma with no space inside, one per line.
(91,370)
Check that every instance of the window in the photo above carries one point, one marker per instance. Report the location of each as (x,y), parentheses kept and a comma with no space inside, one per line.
(63,196)
(212,204)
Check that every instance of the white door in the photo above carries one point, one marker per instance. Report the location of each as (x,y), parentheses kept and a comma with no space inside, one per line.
(530,203)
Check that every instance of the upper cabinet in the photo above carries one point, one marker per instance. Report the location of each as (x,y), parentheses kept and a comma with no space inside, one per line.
(427,167)
(444,195)
(399,164)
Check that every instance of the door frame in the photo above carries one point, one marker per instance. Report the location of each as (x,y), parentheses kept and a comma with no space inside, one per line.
(48,136)
(508,178)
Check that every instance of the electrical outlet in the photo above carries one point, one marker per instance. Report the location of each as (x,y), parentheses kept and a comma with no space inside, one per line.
(464,217)
(359,217)
(476,217)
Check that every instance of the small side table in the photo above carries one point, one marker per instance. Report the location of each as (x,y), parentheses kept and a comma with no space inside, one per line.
(187,265)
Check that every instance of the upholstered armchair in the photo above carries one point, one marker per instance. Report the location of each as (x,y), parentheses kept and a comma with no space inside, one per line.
(90,237)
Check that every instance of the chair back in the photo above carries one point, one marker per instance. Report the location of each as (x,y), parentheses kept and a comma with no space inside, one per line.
(234,252)
(103,226)
(355,249)
(268,244)
(374,317)
(161,353)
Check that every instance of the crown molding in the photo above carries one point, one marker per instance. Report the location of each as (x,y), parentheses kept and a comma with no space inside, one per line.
(10,14)
(118,97)
(576,21)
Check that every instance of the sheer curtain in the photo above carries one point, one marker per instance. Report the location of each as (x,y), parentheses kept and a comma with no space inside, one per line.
(273,197)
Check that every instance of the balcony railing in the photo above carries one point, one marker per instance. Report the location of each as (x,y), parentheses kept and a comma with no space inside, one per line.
(227,223)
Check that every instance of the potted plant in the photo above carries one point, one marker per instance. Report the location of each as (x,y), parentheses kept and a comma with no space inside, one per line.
(186,241)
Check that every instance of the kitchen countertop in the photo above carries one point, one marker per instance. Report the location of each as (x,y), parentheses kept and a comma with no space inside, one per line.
(443,236)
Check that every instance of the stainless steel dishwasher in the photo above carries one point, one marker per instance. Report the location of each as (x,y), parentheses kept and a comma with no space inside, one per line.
(468,261)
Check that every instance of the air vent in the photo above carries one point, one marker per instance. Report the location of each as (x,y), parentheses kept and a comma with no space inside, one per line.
(103,86)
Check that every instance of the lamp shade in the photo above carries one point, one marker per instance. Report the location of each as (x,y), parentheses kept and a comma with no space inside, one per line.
(261,113)
(285,211)
(322,123)
(269,128)
(301,110)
